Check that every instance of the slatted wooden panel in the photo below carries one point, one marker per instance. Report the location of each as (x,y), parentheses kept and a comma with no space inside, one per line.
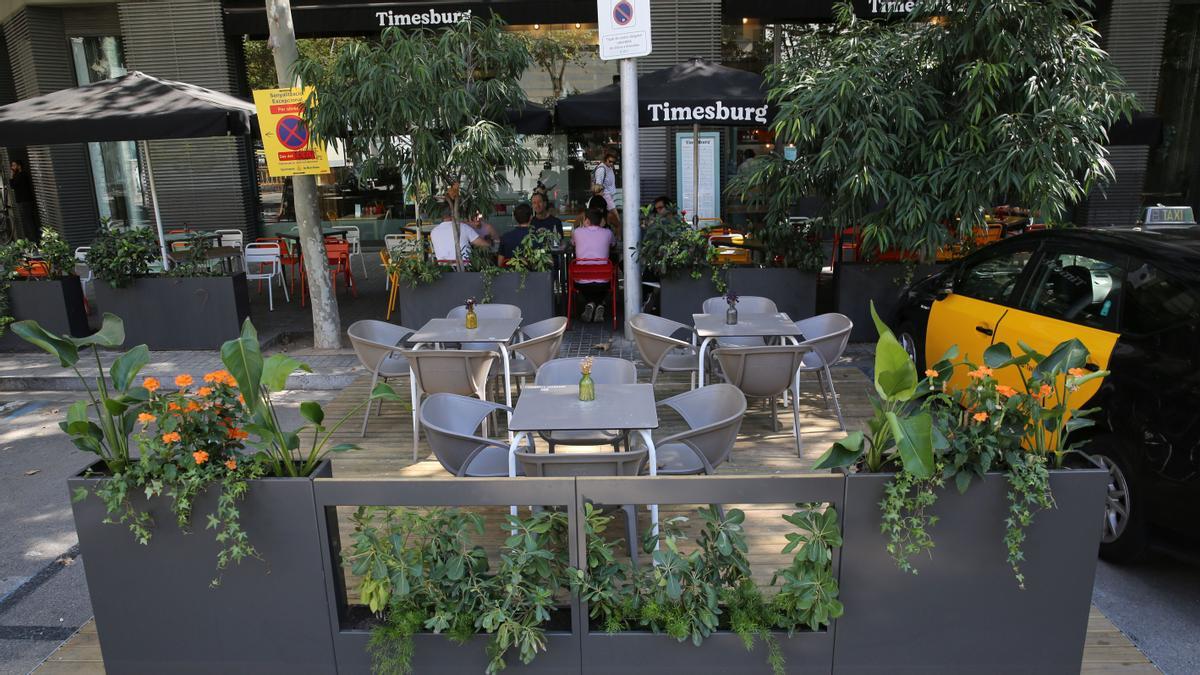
(203,182)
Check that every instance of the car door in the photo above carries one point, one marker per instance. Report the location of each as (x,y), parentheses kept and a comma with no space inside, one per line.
(1074,291)
(983,291)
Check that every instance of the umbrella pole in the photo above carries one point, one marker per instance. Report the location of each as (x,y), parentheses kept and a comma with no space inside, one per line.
(162,242)
(696,174)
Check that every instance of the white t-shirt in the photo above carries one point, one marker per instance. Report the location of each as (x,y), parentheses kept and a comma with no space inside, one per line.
(443,240)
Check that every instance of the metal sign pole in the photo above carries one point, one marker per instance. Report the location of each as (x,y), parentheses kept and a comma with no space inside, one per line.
(631,188)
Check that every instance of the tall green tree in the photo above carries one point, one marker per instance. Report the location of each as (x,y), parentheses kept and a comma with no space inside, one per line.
(432,103)
(910,129)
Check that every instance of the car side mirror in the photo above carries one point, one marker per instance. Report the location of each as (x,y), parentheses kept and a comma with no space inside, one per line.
(944,289)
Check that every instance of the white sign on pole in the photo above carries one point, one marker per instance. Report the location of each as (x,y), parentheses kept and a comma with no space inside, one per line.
(624,28)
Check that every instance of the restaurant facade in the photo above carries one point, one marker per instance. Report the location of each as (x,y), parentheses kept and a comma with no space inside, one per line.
(218,182)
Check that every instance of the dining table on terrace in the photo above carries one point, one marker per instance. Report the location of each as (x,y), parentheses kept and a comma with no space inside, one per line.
(709,327)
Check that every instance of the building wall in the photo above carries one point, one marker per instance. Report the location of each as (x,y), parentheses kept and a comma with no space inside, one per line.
(201,182)
(1133,34)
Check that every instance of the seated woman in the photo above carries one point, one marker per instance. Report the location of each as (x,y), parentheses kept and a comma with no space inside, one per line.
(593,241)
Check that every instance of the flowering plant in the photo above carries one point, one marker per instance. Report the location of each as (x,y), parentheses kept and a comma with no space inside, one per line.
(731,298)
(585,365)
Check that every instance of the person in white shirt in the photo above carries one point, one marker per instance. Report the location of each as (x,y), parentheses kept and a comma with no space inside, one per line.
(605,175)
(443,240)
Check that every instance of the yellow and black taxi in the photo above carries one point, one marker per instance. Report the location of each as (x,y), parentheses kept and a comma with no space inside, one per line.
(1132,296)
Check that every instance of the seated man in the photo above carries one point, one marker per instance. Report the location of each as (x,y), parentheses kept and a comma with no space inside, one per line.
(443,240)
(593,241)
(542,218)
(510,241)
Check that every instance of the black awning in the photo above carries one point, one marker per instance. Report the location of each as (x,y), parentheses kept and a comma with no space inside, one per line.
(132,107)
(695,92)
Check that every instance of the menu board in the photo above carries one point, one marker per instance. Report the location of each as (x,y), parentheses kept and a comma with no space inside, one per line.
(707,203)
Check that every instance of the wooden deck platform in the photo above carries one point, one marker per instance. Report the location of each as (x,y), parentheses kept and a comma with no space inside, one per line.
(387,452)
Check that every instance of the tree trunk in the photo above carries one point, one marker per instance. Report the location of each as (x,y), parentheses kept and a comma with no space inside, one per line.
(458,258)
(327,325)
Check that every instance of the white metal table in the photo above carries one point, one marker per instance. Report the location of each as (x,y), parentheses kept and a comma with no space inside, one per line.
(625,407)
(496,331)
(711,327)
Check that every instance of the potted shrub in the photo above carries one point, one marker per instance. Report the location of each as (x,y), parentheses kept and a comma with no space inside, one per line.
(197,520)
(975,496)
(205,306)
(429,290)
(38,282)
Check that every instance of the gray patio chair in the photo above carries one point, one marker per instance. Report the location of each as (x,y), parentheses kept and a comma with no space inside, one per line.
(541,344)
(661,351)
(376,344)
(827,335)
(766,372)
(592,464)
(446,371)
(605,370)
(714,416)
(751,304)
(450,423)
(493,310)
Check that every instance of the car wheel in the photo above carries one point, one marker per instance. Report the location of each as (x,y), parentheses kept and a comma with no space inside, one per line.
(1123,536)
(905,336)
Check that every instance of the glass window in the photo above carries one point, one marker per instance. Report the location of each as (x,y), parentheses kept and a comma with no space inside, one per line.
(1155,301)
(116,168)
(1077,288)
(993,279)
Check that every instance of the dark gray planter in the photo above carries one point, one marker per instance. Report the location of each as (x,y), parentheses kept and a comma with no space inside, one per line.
(178,312)
(856,285)
(794,291)
(419,304)
(440,655)
(722,652)
(963,612)
(155,612)
(55,304)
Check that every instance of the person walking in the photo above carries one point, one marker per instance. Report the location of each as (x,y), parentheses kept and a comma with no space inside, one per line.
(25,212)
(604,181)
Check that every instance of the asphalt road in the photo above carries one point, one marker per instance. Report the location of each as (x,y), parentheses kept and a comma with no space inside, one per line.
(43,593)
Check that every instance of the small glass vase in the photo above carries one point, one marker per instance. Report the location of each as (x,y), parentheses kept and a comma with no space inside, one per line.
(731,316)
(587,388)
(472,319)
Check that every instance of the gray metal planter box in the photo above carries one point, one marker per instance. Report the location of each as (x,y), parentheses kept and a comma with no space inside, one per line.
(55,304)
(856,285)
(440,655)
(794,291)
(178,312)
(155,612)
(721,653)
(963,612)
(419,304)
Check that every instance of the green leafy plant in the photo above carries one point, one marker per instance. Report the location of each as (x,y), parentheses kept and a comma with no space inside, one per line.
(670,247)
(193,262)
(423,571)
(533,255)
(791,245)
(120,255)
(910,129)
(53,255)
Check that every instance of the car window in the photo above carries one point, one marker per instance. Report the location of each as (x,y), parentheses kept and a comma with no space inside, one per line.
(1155,301)
(993,279)
(1077,288)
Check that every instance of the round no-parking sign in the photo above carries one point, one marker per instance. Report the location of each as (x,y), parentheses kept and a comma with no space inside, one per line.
(292,132)
(623,13)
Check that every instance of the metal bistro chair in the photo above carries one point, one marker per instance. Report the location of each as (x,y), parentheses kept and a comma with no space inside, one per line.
(660,350)
(446,371)
(232,239)
(541,344)
(450,423)
(766,372)
(713,415)
(618,464)
(354,238)
(605,370)
(592,270)
(265,258)
(827,335)
(751,304)
(376,344)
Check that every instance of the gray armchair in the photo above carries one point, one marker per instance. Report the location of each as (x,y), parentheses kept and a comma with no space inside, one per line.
(450,423)
(377,346)
(766,372)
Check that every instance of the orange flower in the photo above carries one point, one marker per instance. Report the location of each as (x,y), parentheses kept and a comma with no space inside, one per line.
(171,437)
(231,465)
(220,377)
(1044,392)
(241,399)
(1005,390)
(150,383)
(145,418)
(981,372)
(1077,372)
(980,417)
(204,391)
(173,406)
(237,434)
(200,456)
(192,406)
(184,380)
(931,373)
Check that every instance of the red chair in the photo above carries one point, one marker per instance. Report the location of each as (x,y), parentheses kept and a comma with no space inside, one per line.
(286,257)
(591,270)
(337,252)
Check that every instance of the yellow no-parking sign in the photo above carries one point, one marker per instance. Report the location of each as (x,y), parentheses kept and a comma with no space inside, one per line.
(286,141)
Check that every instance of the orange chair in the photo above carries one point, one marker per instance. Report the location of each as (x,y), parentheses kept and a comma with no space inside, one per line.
(287,258)
(337,252)
(592,270)
(33,269)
